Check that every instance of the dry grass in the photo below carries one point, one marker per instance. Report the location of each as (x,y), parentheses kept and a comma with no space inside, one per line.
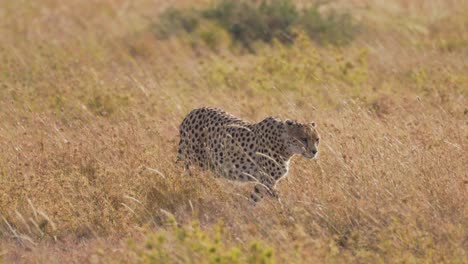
(90,103)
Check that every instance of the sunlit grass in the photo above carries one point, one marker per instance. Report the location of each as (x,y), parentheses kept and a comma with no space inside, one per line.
(91,101)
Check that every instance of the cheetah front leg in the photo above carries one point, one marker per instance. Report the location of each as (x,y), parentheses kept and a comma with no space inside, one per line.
(260,190)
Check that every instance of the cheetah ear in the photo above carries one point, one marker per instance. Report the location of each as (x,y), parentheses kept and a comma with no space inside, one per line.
(313,124)
(289,122)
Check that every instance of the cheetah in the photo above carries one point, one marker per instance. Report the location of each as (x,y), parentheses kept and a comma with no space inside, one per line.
(239,150)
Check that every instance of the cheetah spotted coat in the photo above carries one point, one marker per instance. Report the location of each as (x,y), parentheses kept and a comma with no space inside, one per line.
(238,150)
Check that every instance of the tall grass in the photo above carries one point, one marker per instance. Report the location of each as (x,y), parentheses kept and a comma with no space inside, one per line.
(91,100)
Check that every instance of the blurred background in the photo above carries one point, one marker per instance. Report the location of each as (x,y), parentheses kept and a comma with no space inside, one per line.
(92,93)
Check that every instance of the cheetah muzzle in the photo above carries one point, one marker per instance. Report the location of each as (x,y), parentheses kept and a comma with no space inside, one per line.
(239,150)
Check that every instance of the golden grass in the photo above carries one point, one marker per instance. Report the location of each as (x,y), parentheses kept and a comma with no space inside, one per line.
(90,103)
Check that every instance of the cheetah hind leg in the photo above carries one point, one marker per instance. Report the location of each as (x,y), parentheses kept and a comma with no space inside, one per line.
(187,169)
(182,157)
(186,164)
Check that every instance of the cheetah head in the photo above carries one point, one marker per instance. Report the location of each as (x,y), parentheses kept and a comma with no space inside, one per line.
(302,139)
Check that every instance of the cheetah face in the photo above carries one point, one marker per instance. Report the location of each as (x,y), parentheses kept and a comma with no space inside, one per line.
(302,139)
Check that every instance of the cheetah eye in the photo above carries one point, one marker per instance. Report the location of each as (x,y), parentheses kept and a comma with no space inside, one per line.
(318,140)
(304,140)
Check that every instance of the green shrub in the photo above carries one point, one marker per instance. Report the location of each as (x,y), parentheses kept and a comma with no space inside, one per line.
(248,22)
(213,36)
(174,21)
(334,28)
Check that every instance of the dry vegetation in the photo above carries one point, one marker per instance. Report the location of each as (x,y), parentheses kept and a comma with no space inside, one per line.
(90,103)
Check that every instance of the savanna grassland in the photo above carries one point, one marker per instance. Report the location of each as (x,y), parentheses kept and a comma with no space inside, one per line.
(92,94)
